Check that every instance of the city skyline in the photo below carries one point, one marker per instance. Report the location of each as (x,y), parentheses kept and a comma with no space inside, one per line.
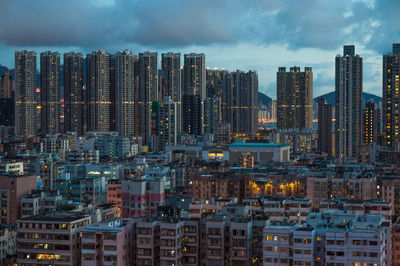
(262,36)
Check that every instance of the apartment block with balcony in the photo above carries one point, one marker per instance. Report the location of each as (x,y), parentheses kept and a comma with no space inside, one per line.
(148,242)
(240,232)
(40,202)
(171,243)
(109,242)
(191,237)
(50,239)
(141,198)
(8,236)
(330,238)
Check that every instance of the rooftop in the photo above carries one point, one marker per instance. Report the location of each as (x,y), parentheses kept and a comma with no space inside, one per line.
(257,145)
(66,217)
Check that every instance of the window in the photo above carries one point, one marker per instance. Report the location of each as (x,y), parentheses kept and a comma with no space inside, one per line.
(357,242)
(269,238)
(330,242)
(268,248)
(373,243)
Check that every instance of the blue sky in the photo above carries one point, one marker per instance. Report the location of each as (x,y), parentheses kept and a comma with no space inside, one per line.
(234,34)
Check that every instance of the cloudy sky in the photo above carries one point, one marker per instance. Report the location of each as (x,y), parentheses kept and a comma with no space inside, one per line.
(234,34)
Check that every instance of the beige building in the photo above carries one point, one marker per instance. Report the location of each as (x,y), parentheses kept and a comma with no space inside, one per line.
(321,188)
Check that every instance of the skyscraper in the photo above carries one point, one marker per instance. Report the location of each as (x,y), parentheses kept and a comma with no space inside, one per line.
(324,126)
(6,100)
(74,100)
(348,93)
(148,91)
(226,97)
(370,124)
(98,91)
(6,84)
(164,126)
(214,82)
(50,92)
(194,93)
(212,114)
(295,98)
(244,102)
(391,97)
(25,98)
(124,64)
(172,83)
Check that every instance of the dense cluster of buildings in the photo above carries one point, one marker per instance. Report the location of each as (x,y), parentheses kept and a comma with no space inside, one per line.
(108,160)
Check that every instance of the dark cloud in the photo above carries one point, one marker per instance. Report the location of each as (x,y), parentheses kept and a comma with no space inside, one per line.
(324,24)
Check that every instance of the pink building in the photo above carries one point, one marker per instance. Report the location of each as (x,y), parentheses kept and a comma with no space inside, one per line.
(141,198)
(110,242)
(12,188)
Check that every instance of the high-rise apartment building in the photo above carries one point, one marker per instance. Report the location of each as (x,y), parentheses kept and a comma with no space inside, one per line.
(148,91)
(214,82)
(294,98)
(226,97)
(165,123)
(348,98)
(324,126)
(98,91)
(172,82)
(74,95)
(6,85)
(50,92)
(124,87)
(370,124)
(194,93)
(25,89)
(244,102)
(212,114)
(391,96)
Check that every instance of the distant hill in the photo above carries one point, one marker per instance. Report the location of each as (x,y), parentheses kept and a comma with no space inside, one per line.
(366,97)
(264,99)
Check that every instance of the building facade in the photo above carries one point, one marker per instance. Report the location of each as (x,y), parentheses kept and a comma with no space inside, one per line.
(348,97)
(148,91)
(74,96)
(25,93)
(391,96)
(294,98)
(194,93)
(98,91)
(325,127)
(50,93)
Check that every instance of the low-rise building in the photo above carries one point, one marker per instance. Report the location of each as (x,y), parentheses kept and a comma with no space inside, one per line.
(12,189)
(8,238)
(109,242)
(330,238)
(52,238)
